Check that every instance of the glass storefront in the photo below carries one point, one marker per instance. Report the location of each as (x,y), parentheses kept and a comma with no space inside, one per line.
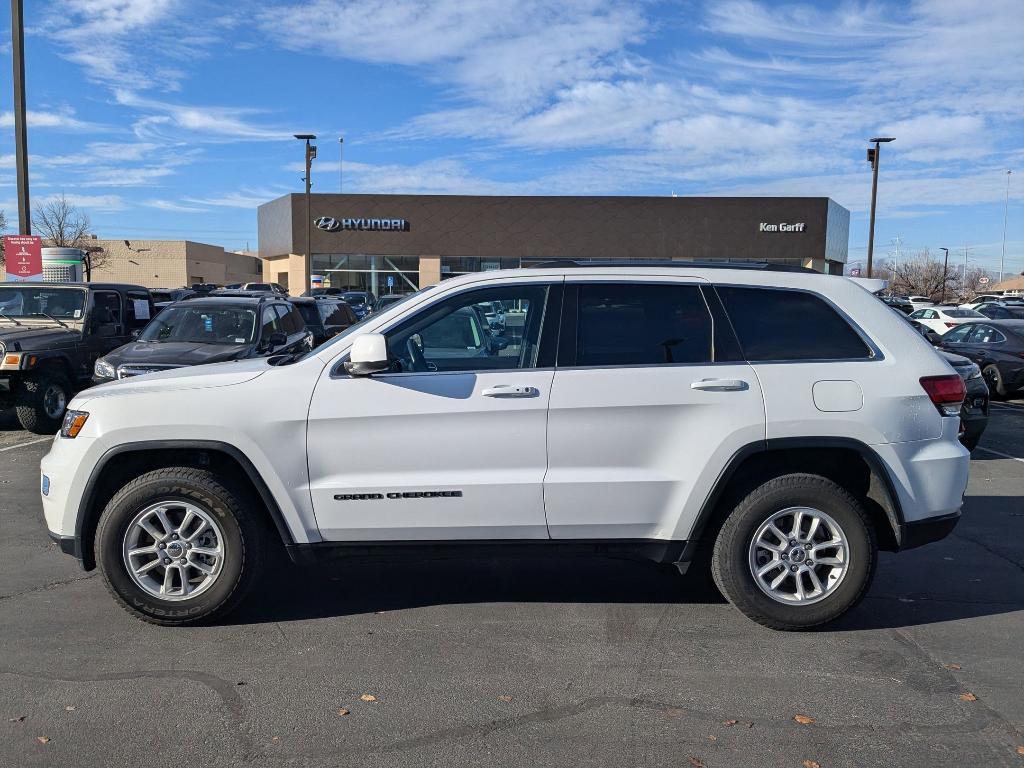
(362,272)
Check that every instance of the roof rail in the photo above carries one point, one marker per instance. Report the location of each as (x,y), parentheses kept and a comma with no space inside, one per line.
(764,266)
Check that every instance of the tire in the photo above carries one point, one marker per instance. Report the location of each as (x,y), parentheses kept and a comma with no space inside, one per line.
(995,382)
(841,586)
(43,400)
(970,443)
(228,523)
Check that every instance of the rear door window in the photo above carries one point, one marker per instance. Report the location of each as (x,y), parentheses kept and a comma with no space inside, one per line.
(775,325)
(642,324)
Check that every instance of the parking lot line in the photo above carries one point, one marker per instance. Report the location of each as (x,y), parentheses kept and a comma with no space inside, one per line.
(27,442)
(999,453)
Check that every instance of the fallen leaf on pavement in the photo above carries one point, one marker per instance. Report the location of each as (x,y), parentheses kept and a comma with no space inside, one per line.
(43,739)
(951,666)
(968,697)
(69,708)
(275,738)
(803,719)
(729,722)
(504,698)
(811,764)
(342,712)
(712,738)
(697,763)
(368,697)
(18,719)
(1020,751)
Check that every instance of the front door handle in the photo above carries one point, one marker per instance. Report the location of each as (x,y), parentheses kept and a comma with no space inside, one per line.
(720,385)
(508,390)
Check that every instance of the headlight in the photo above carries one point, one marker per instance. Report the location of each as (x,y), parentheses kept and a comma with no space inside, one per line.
(73,423)
(974,372)
(104,370)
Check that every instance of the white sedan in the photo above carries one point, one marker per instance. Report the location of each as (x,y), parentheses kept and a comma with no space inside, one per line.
(941,319)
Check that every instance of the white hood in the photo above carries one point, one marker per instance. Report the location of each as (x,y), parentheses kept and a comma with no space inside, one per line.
(177,379)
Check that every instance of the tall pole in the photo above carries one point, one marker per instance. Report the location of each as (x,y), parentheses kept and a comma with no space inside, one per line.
(873,157)
(341,163)
(1006,209)
(874,196)
(20,132)
(309,258)
(945,270)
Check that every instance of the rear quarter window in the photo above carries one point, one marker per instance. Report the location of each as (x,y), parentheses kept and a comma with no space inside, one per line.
(775,324)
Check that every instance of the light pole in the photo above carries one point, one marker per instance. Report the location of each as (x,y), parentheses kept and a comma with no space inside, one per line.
(20,131)
(945,270)
(341,162)
(310,154)
(873,154)
(1006,209)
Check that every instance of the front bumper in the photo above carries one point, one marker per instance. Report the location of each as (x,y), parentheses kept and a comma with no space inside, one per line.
(69,545)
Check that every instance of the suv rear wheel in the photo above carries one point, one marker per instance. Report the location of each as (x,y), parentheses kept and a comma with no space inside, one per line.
(177,546)
(42,403)
(797,552)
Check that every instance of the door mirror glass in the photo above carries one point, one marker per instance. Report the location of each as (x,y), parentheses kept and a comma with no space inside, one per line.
(369,355)
(277,339)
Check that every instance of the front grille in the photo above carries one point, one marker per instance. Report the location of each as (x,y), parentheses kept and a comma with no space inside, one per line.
(127,371)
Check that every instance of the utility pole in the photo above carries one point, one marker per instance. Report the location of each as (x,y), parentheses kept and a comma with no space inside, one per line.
(20,129)
(341,164)
(945,271)
(310,154)
(1006,209)
(873,156)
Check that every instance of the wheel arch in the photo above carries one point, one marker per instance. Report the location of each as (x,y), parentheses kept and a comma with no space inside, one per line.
(848,462)
(132,459)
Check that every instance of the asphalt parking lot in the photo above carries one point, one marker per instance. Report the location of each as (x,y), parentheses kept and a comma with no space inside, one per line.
(583,662)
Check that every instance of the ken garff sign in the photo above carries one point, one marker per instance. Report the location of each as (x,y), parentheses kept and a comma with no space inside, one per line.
(329,224)
(765,226)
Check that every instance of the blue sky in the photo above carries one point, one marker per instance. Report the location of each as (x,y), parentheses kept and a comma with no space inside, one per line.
(173,119)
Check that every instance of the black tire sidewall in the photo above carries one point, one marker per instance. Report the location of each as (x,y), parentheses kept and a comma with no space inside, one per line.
(113,525)
(732,568)
(1000,387)
(31,412)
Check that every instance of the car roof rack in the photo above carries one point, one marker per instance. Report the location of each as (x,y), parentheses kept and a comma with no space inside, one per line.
(764,266)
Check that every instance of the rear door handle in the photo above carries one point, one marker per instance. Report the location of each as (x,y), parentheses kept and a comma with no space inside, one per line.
(508,390)
(720,385)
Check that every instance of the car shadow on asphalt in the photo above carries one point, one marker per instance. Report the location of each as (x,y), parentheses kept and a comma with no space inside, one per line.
(977,571)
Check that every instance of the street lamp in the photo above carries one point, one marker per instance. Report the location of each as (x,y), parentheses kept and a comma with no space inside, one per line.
(341,160)
(945,271)
(310,154)
(1006,209)
(873,154)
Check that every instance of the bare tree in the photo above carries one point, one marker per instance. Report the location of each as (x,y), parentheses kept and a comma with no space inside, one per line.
(62,225)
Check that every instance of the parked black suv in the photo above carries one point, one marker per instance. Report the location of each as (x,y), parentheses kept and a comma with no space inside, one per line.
(325,316)
(51,334)
(209,330)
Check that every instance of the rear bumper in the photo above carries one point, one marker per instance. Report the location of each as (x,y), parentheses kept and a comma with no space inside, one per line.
(921,532)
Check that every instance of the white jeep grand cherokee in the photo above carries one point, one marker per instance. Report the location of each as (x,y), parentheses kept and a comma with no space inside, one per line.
(781,425)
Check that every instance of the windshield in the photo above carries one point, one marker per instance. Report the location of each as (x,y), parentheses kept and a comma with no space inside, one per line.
(354,298)
(26,301)
(202,325)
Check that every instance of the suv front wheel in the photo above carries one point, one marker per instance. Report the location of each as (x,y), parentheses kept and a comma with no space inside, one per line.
(42,403)
(177,546)
(797,552)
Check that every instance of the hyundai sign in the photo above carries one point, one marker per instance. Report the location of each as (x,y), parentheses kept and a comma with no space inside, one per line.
(329,224)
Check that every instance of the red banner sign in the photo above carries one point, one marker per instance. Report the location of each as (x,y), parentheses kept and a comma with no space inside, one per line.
(23,257)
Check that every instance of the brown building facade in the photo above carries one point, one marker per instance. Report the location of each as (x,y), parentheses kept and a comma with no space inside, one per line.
(398,243)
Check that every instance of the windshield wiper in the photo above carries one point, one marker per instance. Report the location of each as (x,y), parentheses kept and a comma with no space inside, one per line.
(5,317)
(51,317)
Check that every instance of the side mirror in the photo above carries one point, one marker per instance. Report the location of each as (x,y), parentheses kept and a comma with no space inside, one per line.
(277,339)
(369,355)
(136,333)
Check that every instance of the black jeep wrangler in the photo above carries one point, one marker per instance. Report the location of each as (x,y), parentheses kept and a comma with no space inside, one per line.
(50,337)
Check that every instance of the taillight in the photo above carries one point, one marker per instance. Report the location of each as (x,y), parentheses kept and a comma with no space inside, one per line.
(947,392)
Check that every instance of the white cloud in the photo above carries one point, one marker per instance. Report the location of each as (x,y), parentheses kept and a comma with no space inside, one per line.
(64,120)
(180,122)
(173,207)
(88,203)
(246,197)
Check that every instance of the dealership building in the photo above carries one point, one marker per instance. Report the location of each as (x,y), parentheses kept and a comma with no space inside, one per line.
(399,243)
